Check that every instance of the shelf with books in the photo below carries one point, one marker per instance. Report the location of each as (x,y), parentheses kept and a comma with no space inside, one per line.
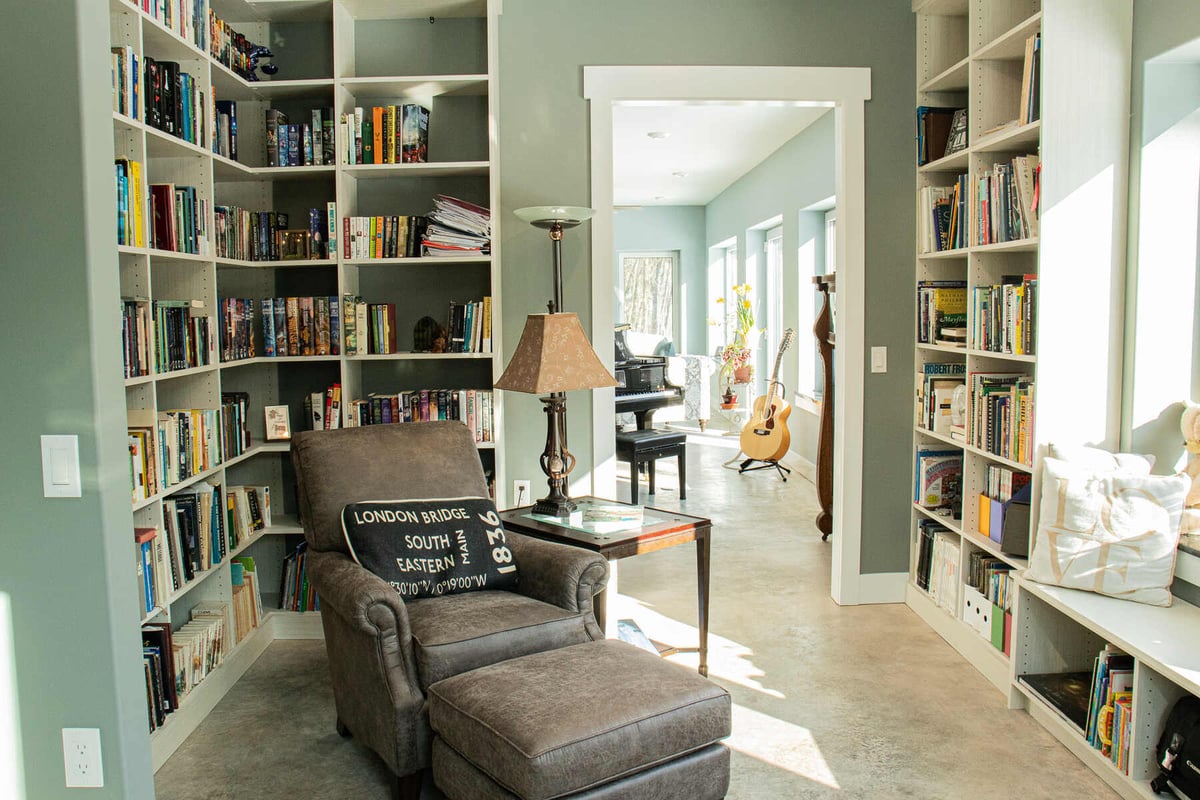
(951,523)
(416,261)
(225,169)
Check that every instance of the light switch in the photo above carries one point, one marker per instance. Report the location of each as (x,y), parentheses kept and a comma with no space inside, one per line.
(60,466)
(878,359)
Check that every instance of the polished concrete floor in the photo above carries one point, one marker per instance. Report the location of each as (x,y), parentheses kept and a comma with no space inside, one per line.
(829,702)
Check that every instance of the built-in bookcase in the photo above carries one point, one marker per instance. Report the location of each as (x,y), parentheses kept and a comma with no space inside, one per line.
(331,55)
(970,54)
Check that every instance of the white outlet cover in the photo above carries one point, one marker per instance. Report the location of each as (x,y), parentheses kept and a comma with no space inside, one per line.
(81,758)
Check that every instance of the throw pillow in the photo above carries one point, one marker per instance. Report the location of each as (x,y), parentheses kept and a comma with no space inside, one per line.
(427,548)
(1111,531)
(1098,460)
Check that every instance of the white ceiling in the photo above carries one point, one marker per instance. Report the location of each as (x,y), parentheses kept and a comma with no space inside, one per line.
(713,144)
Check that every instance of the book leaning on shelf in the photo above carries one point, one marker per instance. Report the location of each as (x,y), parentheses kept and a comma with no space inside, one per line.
(1004,203)
(295,591)
(470,326)
(127,81)
(247,511)
(938,480)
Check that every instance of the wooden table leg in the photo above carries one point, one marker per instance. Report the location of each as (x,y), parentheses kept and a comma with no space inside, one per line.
(702,565)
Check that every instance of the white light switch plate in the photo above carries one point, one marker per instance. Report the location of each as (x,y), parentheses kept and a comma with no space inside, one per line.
(878,359)
(60,466)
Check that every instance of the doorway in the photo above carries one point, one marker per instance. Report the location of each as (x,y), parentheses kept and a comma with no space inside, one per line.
(845,90)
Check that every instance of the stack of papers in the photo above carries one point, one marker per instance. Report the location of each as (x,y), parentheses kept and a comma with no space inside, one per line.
(457,227)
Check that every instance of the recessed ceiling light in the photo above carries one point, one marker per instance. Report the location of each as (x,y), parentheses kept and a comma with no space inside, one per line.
(656,135)
(660,197)
(679,173)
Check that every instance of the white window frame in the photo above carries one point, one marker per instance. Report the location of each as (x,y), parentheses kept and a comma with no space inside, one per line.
(676,310)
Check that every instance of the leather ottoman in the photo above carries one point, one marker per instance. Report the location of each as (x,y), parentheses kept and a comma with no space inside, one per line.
(600,720)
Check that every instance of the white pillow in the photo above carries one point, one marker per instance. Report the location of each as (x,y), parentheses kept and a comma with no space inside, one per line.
(1113,532)
(1098,460)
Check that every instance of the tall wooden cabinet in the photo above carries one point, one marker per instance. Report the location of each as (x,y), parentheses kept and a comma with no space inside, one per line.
(337,54)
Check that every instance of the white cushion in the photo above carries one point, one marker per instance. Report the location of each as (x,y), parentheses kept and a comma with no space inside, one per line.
(1099,460)
(1109,531)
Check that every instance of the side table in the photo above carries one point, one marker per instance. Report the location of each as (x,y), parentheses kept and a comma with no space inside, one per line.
(658,529)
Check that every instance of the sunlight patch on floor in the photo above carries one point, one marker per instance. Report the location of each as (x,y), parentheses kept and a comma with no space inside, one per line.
(780,744)
(727,659)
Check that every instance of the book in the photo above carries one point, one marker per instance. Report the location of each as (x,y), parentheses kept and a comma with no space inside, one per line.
(415,127)
(1066,693)
(629,631)
(933,129)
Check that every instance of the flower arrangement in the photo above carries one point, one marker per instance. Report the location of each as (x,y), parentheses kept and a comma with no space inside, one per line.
(735,356)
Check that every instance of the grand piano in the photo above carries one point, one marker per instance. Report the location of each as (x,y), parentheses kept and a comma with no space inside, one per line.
(642,385)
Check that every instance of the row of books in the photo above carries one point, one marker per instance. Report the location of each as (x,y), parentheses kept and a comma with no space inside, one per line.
(470,326)
(988,599)
(305,144)
(180,219)
(938,564)
(247,511)
(1001,483)
(225,132)
(126,81)
(162,336)
(229,47)
(1110,707)
(371,328)
(992,577)
(473,407)
(937,383)
(175,102)
(1004,204)
(168,447)
(261,235)
(285,326)
(937,480)
(934,125)
(385,236)
(184,18)
(1005,315)
(131,207)
(295,591)
(940,305)
(1001,420)
(176,661)
(1031,81)
(323,410)
(935,209)
(391,134)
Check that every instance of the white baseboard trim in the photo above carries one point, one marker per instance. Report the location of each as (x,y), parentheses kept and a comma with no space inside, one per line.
(803,467)
(882,587)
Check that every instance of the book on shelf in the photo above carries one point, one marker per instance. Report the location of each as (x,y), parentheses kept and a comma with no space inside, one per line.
(1030,97)
(387,134)
(131,203)
(225,141)
(295,591)
(126,81)
(939,565)
(469,327)
(933,131)
(1112,674)
(1003,202)
(956,138)
(175,101)
(383,236)
(1066,693)
(941,305)
(938,484)
(144,550)
(935,211)
(179,219)
(1002,414)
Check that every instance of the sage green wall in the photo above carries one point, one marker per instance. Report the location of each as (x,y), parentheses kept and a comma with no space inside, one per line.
(66,564)
(797,175)
(667,228)
(544,158)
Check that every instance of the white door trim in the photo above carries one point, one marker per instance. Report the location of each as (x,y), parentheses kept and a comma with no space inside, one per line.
(846,89)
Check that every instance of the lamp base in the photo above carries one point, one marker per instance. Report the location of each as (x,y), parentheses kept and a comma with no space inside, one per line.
(555,507)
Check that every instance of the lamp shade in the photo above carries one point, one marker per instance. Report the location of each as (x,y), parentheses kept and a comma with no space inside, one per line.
(554,355)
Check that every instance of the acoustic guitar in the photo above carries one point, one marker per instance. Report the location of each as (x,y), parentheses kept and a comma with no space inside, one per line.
(766,437)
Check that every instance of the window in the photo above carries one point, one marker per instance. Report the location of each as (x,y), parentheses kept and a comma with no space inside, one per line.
(648,292)
(774,294)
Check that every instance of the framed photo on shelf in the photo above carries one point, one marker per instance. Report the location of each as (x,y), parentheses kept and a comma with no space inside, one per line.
(294,244)
(279,427)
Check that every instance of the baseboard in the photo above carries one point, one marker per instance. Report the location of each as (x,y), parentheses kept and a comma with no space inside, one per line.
(802,466)
(882,587)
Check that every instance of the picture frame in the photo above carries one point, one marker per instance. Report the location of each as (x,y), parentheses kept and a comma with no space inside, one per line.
(279,425)
(294,244)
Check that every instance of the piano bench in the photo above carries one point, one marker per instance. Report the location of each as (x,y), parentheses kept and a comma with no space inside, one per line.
(644,447)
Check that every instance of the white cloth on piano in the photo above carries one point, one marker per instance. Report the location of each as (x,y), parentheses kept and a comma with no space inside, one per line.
(694,374)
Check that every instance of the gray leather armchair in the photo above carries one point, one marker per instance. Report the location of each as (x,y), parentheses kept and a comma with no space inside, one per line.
(384,651)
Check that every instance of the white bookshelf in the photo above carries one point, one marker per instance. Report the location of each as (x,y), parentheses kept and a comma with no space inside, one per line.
(346,53)
(968,55)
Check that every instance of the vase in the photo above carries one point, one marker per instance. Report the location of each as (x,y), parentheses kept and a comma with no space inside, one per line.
(742,374)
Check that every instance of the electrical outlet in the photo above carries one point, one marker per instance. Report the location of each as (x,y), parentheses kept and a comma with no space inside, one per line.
(521,493)
(81,754)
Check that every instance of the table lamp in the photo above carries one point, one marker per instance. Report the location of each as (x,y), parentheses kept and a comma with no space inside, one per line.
(554,356)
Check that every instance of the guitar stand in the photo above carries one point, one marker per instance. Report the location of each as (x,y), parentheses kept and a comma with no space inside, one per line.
(780,468)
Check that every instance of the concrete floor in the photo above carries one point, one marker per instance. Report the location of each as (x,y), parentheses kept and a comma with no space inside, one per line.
(829,702)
